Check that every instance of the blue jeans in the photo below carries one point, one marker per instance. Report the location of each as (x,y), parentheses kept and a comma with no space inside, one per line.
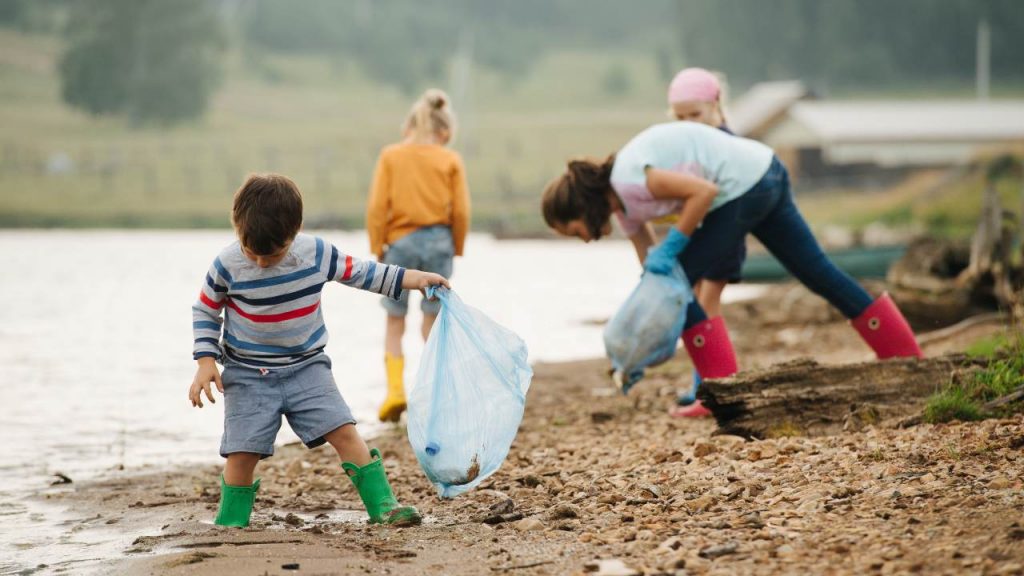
(768,212)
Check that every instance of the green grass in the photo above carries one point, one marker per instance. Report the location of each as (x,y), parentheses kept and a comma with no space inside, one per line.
(323,122)
(952,404)
(930,199)
(1003,375)
(988,347)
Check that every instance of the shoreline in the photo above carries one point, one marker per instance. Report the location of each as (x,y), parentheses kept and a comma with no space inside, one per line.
(596,480)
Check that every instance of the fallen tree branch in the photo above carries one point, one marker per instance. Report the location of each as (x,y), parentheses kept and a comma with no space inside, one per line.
(961,326)
(805,398)
(1006,399)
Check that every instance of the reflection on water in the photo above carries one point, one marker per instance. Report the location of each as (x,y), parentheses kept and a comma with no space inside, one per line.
(95,348)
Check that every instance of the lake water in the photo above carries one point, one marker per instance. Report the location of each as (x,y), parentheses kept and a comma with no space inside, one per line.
(95,350)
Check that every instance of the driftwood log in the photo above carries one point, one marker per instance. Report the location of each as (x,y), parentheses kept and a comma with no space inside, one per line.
(803,397)
(940,281)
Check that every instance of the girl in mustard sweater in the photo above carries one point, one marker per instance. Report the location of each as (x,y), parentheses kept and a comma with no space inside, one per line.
(417,217)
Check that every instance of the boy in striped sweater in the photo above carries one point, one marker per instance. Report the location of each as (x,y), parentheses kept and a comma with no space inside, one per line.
(271,343)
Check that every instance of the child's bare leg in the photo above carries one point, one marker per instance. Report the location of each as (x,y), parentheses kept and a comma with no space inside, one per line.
(239,468)
(393,333)
(710,296)
(428,323)
(349,445)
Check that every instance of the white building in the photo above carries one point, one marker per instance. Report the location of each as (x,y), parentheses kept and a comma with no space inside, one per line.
(836,141)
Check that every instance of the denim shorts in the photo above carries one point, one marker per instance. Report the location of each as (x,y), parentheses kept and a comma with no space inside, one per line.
(430,249)
(255,400)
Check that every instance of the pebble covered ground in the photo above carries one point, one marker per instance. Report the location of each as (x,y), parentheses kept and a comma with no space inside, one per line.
(601,484)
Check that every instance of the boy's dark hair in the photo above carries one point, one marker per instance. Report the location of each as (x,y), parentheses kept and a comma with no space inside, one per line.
(267,212)
(581,192)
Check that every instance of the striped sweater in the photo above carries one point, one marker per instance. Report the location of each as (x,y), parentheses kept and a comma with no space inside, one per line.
(271,316)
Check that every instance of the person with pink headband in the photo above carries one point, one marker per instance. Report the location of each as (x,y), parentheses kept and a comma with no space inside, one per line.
(695,94)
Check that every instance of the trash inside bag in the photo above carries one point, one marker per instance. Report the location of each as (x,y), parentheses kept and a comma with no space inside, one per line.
(469,396)
(644,331)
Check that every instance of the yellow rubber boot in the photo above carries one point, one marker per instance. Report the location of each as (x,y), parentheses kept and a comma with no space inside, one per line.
(393,406)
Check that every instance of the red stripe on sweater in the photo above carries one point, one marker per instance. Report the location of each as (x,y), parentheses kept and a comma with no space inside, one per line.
(348,268)
(206,300)
(297,313)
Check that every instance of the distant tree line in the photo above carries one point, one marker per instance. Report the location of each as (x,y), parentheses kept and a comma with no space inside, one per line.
(407,43)
(841,43)
(851,43)
(151,60)
(159,60)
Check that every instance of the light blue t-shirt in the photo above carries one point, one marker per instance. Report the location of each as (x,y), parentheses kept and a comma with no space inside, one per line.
(732,163)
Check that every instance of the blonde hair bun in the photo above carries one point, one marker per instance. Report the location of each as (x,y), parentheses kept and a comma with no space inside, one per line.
(430,116)
(436,98)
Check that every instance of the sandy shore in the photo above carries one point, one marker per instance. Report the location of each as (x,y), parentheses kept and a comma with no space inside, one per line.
(601,484)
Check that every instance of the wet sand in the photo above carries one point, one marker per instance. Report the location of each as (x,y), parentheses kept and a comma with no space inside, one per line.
(597,483)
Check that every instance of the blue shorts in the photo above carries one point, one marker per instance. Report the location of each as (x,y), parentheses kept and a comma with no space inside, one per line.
(769,213)
(729,265)
(255,400)
(725,263)
(430,249)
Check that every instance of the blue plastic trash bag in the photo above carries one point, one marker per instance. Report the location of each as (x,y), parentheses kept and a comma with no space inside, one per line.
(468,399)
(644,331)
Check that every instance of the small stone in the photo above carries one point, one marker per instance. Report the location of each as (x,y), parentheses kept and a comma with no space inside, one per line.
(673,543)
(700,503)
(532,481)
(293,520)
(654,491)
(505,506)
(702,449)
(785,551)
(999,483)
(564,510)
(529,524)
(753,521)
(719,550)
(610,498)
(611,567)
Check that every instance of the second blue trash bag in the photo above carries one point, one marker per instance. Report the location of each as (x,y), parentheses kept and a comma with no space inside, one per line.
(468,398)
(645,329)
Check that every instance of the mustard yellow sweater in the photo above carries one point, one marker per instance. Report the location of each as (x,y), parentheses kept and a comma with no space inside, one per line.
(414,186)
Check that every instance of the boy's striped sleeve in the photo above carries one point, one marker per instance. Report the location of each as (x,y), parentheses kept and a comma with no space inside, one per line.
(206,312)
(366,275)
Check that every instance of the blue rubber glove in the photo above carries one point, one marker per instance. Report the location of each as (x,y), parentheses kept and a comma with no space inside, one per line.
(661,258)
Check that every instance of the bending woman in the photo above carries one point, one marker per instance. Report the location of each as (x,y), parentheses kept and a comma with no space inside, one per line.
(722,187)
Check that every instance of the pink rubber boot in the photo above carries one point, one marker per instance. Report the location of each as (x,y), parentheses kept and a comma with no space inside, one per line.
(710,349)
(886,331)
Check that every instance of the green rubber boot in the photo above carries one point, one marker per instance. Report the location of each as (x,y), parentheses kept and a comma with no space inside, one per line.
(236,504)
(372,483)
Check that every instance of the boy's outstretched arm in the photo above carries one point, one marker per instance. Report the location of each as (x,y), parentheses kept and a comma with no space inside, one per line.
(386,279)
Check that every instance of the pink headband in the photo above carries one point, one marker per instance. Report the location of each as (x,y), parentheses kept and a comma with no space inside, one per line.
(694,85)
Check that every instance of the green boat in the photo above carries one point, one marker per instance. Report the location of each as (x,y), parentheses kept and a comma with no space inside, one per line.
(860,262)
